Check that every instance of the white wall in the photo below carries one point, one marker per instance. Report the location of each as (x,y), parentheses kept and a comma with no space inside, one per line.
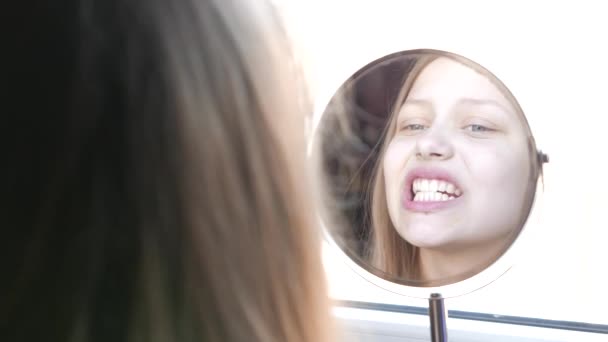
(552,55)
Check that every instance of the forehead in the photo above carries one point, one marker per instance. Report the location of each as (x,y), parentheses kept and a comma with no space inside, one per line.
(447,80)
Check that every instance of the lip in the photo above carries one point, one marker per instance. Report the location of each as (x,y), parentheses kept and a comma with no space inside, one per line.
(428,173)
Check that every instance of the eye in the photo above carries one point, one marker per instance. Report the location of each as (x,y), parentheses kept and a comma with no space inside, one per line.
(413,127)
(477,128)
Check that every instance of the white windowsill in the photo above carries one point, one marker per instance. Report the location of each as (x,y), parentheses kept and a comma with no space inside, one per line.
(359,325)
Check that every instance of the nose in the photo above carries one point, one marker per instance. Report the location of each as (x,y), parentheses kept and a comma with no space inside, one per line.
(434,146)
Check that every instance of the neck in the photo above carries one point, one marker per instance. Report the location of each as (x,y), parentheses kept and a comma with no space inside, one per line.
(458,264)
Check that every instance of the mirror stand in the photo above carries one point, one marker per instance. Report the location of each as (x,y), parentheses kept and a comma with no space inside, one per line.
(437,316)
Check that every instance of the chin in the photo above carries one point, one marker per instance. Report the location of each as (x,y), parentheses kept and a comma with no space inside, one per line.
(432,245)
(424,235)
(425,241)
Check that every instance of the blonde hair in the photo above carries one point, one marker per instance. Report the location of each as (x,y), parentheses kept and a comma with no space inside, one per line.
(390,254)
(160,191)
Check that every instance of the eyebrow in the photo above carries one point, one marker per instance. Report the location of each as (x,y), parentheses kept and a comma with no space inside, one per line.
(416,102)
(466,101)
(484,102)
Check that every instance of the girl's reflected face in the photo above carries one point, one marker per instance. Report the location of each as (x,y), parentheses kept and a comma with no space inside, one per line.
(457,166)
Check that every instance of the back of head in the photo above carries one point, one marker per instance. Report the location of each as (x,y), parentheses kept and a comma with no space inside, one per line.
(154,185)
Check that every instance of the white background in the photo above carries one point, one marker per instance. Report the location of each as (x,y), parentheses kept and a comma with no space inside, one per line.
(553,57)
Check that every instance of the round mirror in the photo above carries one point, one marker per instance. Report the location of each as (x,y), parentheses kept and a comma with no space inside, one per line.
(429,168)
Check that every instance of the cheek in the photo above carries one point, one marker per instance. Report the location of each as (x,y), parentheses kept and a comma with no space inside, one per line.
(393,164)
(501,174)
(505,167)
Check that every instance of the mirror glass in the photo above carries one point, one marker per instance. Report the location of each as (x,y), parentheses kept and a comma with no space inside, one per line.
(429,168)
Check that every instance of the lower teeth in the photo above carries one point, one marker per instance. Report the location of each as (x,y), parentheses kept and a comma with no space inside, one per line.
(432,197)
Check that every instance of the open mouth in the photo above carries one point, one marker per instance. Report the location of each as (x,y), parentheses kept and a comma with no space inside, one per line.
(434,190)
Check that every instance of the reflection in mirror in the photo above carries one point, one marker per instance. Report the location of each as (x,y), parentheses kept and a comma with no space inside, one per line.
(430,168)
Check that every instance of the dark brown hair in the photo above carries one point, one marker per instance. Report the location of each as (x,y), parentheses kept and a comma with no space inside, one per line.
(153,180)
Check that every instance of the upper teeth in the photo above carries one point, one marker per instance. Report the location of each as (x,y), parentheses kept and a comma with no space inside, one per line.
(434,190)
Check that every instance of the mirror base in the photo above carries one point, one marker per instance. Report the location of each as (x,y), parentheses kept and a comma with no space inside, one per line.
(437,316)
